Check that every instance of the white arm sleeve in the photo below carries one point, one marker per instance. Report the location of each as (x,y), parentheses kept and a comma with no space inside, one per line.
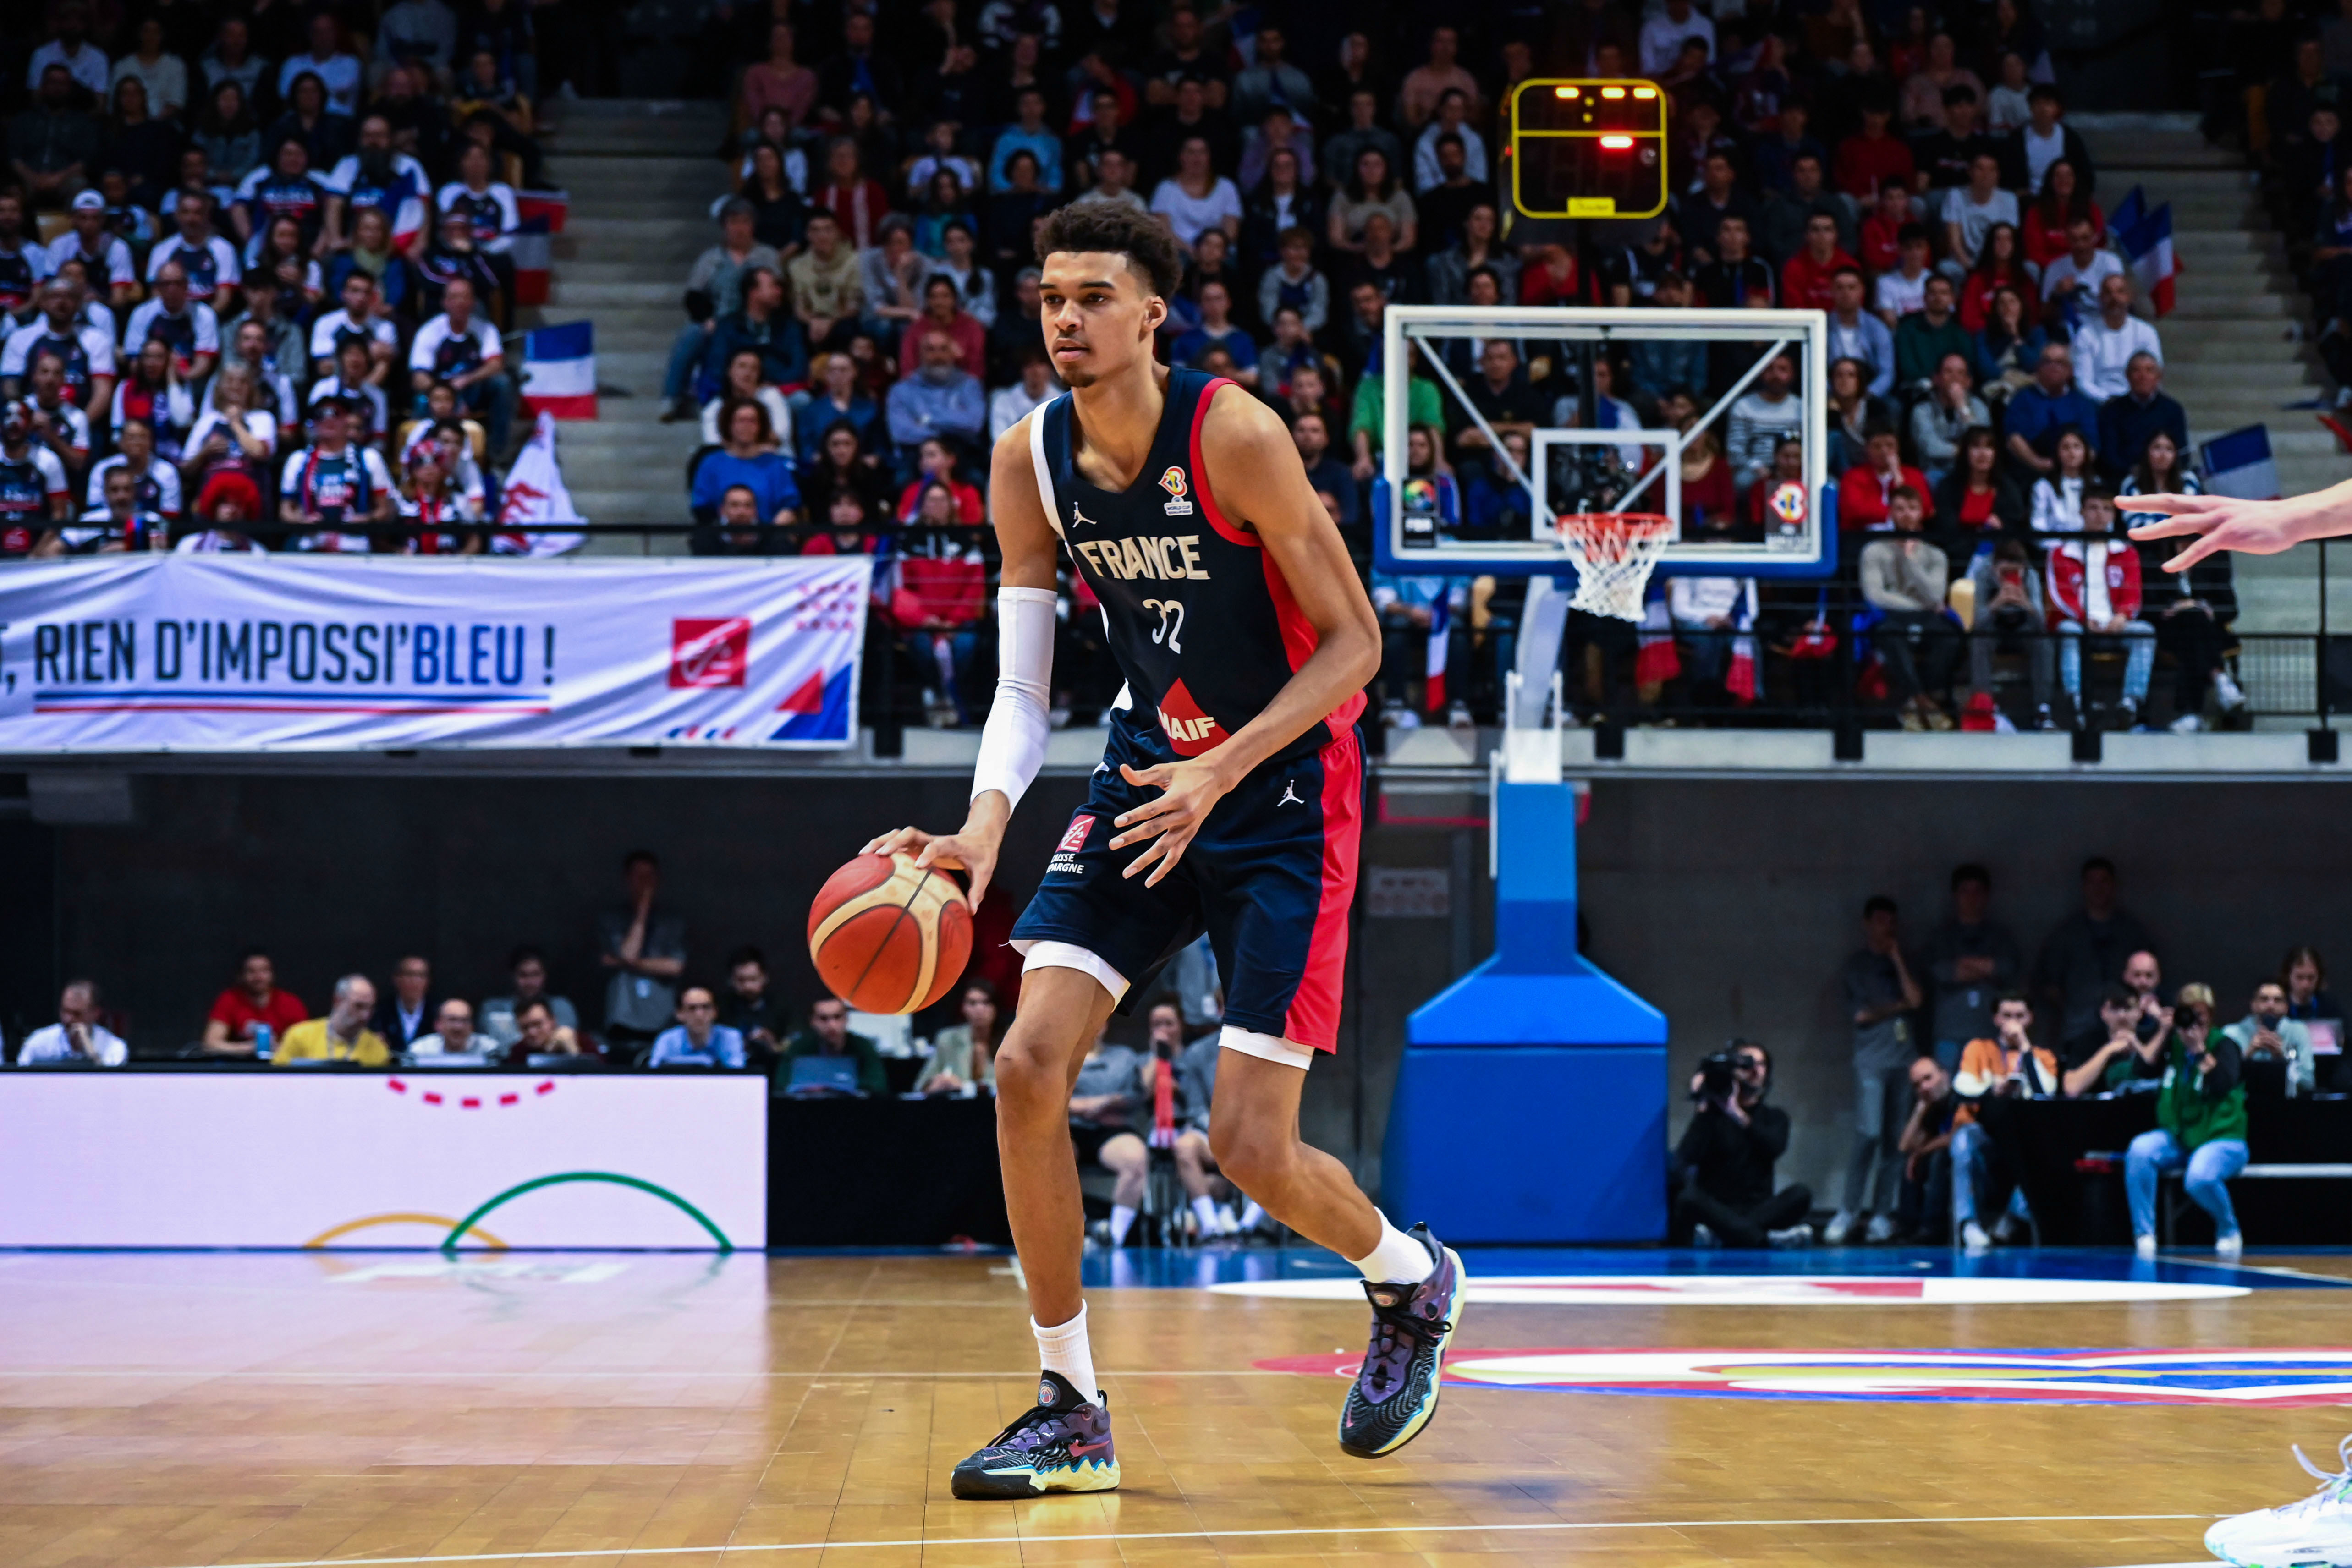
(1012,741)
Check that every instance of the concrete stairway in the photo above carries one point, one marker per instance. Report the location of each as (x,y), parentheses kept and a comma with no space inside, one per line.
(2230,351)
(642,178)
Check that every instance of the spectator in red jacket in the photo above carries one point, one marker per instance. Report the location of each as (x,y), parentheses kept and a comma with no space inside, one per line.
(1808,279)
(1555,277)
(1867,494)
(2094,590)
(935,462)
(943,311)
(1870,158)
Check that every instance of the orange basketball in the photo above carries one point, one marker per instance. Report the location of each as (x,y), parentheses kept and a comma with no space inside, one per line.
(887,937)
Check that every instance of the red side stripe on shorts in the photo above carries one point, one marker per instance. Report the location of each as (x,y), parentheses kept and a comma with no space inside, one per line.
(1314,1016)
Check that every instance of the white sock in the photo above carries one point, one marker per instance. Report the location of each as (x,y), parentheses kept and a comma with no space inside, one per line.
(1205,1209)
(1121,1219)
(1398,1260)
(1065,1350)
(1251,1215)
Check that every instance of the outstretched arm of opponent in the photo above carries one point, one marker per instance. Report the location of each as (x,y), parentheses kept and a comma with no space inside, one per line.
(1259,479)
(2256,527)
(1012,741)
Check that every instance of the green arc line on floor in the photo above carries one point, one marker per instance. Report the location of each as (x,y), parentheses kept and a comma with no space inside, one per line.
(449,1242)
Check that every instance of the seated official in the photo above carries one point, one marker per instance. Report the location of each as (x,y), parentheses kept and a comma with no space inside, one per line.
(254,1003)
(1111,1095)
(2115,1052)
(1726,1156)
(501,1015)
(452,1034)
(1926,1144)
(963,1058)
(698,1039)
(2009,1066)
(342,1035)
(2200,1131)
(1208,1192)
(537,1034)
(751,1010)
(2266,1033)
(76,1035)
(827,1035)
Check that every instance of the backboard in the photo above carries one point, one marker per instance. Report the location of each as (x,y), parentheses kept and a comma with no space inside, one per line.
(1606,446)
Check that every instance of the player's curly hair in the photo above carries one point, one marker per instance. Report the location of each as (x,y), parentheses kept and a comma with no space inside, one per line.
(1115,226)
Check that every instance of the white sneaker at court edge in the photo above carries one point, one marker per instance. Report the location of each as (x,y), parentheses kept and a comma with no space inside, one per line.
(2316,1533)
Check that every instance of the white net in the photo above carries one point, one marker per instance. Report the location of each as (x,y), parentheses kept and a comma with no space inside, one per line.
(1613,553)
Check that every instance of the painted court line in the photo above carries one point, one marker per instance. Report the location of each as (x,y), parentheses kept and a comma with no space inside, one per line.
(1022,1374)
(1019,1540)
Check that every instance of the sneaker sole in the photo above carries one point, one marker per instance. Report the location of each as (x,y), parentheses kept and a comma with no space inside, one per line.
(1429,1406)
(998,1485)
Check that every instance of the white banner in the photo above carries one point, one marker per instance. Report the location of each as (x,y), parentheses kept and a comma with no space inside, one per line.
(292,1158)
(220,652)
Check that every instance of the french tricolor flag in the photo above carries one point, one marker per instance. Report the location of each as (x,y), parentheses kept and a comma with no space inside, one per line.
(1439,620)
(533,254)
(559,371)
(2148,256)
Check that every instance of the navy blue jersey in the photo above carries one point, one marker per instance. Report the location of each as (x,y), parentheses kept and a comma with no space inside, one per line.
(1203,627)
(18,278)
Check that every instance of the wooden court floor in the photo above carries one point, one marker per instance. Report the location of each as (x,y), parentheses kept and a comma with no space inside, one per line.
(168,1411)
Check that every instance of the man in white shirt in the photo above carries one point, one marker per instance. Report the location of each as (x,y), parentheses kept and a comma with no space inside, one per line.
(358,318)
(1662,36)
(208,260)
(1452,111)
(56,423)
(2105,344)
(86,352)
(463,350)
(1010,405)
(2082,270)
(190,330)
(340,72)
(71,49)
(1971,210)
(76,1035)
(104,257)
(1113,182)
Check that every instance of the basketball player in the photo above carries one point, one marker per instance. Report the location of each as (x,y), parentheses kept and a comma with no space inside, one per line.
(2316,1529)
(1228,798)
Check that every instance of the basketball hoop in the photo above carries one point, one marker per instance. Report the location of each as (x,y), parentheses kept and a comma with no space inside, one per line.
(1614,553)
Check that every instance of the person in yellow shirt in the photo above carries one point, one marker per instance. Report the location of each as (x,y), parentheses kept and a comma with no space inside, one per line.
(342,1035)
(2010,1064)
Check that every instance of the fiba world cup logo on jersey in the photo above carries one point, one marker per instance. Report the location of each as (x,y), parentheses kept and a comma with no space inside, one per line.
(1179,503)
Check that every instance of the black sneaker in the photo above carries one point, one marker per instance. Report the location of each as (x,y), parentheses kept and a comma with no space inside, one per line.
(1061,1444)
(1395,1393)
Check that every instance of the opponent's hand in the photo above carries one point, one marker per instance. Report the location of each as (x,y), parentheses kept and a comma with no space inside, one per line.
(972,851)
(2225,522)
(1189,790)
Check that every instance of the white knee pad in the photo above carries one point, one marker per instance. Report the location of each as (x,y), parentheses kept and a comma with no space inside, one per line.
(1267,1047)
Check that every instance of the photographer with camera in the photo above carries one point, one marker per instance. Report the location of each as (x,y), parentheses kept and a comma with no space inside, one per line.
(1724,1163)
(2009,1066)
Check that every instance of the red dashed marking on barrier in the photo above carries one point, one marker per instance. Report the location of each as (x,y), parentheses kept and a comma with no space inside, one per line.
(470,1101)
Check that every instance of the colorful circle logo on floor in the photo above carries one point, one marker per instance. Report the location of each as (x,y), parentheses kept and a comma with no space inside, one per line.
(1765,1291)
(2267,1379)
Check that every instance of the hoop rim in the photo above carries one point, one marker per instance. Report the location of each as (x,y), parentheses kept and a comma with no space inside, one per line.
(1633,524)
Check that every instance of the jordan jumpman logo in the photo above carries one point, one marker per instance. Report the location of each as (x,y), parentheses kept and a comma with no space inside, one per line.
(1289,794)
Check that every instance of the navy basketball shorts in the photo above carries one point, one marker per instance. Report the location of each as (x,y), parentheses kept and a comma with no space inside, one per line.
(1269,877)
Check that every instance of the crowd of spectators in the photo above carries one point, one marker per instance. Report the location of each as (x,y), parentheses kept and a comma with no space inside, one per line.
(1942,1028)
(865,324)
(254,264)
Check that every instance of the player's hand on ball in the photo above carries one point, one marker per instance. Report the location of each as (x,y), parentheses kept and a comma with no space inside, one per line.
(972,851)
(1189,790)
(2225,522)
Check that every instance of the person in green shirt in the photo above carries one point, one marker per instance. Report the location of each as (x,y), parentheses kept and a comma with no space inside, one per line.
(2201,1125)
(1368,418)
(827,1034)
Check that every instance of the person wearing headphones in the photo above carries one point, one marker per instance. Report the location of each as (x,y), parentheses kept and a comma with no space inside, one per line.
(1724,1194)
